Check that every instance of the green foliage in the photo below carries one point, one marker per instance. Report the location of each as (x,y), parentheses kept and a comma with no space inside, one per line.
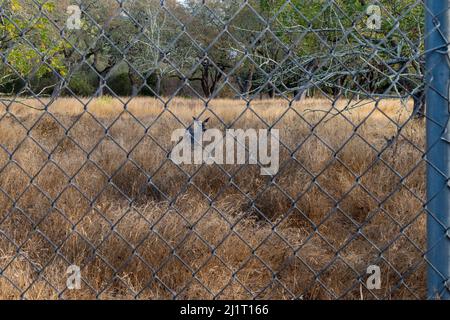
(33,46)
(120,84)
(323,36)
(82,85)
(334,34)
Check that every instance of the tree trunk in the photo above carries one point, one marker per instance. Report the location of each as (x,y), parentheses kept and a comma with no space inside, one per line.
(57,89)
(271,92)
(209,79)
(249,82)
(158,85)
(134,90)
(102,75)
(102,81)
(299,94)
(101,87)
(419,104)
(134,81)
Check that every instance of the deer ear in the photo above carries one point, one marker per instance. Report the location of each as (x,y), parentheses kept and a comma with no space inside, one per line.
(206,121)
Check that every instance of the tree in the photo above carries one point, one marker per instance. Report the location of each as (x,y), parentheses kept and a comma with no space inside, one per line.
(205,45)
(28,45)
(338,54)
(151,51)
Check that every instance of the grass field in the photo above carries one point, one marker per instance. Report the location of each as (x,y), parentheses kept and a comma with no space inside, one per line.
(74,189)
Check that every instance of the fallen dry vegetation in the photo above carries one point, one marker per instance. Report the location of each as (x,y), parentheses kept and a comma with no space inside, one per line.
(75,190)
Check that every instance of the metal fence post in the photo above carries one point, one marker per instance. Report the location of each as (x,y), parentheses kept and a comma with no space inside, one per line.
(438,146)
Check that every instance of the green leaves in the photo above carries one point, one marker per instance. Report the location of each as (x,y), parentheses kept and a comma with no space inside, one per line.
(31,45)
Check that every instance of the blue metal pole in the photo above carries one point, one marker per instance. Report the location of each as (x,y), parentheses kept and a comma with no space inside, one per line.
(438,146)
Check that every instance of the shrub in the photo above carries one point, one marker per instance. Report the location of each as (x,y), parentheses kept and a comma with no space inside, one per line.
(82,84)
(119,84)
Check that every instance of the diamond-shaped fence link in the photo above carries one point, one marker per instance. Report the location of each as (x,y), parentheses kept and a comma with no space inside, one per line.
(348,198)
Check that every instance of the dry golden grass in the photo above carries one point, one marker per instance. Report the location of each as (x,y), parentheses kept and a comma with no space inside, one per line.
(353,192)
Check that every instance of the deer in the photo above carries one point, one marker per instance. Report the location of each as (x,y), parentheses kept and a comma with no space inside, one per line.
(196,125)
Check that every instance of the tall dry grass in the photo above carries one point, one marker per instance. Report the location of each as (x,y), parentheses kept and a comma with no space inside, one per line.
(75,189)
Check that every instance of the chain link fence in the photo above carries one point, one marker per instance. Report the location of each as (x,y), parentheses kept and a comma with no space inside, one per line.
(354,96)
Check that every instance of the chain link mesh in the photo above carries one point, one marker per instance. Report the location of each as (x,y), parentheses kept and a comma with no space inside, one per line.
(91,91)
